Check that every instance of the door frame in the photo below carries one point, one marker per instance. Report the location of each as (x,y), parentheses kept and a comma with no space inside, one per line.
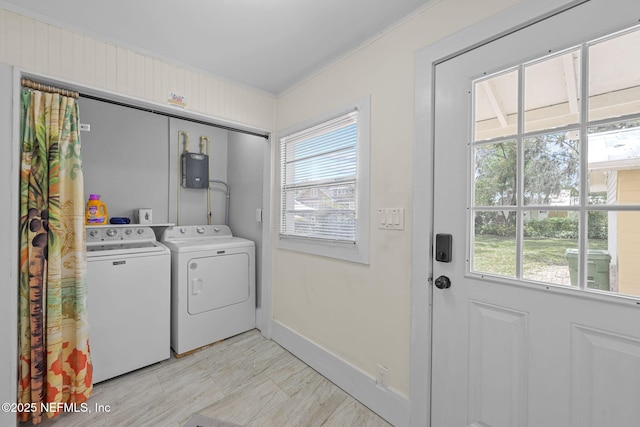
(504,23)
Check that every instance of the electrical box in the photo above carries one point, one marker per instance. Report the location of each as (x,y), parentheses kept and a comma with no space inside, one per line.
(195,170)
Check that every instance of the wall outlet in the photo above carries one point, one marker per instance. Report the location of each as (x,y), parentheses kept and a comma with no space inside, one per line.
(382,377)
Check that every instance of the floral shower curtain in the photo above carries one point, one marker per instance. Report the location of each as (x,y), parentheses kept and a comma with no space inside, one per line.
(54,363)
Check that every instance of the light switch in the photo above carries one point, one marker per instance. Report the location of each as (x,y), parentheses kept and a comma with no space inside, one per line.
(391,218)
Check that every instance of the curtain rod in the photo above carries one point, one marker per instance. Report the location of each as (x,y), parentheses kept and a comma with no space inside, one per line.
(46,88)
(174,116)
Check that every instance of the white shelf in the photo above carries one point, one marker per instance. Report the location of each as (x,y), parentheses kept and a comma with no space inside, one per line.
(129,225)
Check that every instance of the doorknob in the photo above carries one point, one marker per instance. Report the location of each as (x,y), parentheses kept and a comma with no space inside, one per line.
(443,282)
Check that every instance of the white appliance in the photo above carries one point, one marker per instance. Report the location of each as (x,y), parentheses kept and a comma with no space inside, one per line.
(212,285)
(128,299)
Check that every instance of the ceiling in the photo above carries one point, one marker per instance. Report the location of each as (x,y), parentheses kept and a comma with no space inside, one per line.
(266,44)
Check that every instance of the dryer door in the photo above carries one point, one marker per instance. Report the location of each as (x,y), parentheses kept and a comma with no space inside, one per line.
(217,281)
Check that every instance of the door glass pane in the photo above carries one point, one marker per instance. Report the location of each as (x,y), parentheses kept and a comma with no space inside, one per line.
(494,245)
(614,163)
(550,246)
(614,252)
(551,92)
(614,76)
(533,170)
(551,169)
(496,167)
(496,106)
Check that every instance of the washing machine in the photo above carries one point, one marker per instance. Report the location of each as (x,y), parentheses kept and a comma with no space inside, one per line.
(128,299)
(213,281)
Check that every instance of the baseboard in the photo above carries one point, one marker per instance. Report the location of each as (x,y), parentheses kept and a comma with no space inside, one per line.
(385,402)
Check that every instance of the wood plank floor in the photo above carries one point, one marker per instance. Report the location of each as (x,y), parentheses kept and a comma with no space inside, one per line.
(247,380)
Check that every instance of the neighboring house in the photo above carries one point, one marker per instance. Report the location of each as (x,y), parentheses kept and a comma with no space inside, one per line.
(614,171)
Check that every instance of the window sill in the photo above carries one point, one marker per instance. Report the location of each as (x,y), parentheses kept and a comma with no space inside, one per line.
(346,252)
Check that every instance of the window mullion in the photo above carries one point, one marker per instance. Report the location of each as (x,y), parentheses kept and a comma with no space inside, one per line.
(583,236)
(520,176)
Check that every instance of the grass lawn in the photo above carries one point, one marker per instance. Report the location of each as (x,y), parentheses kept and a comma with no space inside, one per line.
(495,254)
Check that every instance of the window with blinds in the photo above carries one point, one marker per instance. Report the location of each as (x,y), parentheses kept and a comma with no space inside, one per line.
(318,172)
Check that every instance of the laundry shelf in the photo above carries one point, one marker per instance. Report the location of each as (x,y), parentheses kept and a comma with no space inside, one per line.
(129,225)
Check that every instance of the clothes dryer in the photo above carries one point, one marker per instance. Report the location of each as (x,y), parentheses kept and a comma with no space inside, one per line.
(212,285)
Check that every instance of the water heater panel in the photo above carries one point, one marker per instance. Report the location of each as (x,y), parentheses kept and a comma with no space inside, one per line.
(195,170)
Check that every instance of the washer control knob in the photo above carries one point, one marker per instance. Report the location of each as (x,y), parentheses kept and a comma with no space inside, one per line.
(128,231)
(140,230)
(200,230)
(93,233)
(183,230)
(112,232)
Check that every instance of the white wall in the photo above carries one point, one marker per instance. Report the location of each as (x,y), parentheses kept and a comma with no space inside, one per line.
(9,249)
(361,313)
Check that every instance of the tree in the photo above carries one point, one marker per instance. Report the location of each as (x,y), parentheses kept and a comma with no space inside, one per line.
(551,170)
(496,178)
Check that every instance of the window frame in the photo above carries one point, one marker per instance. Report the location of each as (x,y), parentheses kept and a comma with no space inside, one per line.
(357,251)
(583,208)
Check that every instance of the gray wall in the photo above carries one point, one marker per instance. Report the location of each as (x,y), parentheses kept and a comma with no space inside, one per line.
(9,165)
(125,158)
(131,158)
(245,171)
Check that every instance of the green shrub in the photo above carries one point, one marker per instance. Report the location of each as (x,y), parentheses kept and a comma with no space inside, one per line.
(556,227)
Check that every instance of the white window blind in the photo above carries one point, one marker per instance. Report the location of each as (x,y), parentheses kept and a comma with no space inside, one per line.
(318,181)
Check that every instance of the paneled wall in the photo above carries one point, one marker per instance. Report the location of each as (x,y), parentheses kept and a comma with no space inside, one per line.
(47,49)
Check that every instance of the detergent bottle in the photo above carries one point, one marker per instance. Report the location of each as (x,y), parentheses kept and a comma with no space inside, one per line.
(96,211)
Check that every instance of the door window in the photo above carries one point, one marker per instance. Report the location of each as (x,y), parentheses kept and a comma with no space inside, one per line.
(556,168)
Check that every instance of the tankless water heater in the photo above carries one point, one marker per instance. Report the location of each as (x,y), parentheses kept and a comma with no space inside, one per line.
(195,170)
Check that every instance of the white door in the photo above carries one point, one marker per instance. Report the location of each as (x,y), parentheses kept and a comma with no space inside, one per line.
(537,180)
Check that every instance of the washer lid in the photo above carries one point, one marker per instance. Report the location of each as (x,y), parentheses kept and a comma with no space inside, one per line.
(121,240)
(123,248)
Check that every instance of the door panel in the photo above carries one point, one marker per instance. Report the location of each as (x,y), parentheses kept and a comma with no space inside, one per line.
(508,349)
(497,381)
